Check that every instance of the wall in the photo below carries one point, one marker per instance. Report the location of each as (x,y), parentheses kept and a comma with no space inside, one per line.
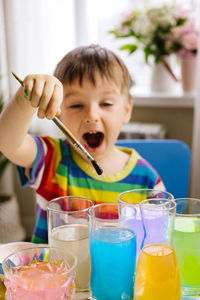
(178,121)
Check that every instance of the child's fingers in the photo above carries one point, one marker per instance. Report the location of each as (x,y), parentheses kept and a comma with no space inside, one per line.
(44,92)
(58,112)
(37,92)
(55,102)
(28,84)
(45,98)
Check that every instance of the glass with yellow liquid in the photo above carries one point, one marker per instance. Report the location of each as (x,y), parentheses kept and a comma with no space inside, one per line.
(157,274)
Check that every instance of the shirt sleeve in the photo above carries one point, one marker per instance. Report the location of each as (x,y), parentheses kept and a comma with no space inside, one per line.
(159,185)
(45,177)
(154,180)
(32,177)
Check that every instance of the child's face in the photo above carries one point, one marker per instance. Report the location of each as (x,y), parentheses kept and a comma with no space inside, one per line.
(95,114)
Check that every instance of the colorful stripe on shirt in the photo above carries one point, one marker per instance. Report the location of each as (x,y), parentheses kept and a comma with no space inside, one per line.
(60,171)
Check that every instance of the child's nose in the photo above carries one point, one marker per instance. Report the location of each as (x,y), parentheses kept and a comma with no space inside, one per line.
(92,115)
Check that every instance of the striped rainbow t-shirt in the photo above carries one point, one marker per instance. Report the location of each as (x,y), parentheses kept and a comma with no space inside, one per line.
(59,171)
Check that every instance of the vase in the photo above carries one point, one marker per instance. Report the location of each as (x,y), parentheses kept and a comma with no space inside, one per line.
(163,79)
(188,73)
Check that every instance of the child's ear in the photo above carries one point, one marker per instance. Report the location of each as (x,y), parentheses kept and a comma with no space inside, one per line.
(128,110)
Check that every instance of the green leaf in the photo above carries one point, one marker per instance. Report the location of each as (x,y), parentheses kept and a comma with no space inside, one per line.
(1,102)
(112,32)
(130,47)
(180,22)
(120,35)
(146,54)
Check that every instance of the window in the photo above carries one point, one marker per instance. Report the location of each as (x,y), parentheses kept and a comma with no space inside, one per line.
(100,16)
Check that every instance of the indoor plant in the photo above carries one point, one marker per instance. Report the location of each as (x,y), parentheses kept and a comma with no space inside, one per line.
(149,30)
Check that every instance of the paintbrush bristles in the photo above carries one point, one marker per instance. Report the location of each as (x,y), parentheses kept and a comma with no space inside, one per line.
(97,167)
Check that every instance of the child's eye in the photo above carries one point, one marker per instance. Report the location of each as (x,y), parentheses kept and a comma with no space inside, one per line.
(76,106)
(106,104)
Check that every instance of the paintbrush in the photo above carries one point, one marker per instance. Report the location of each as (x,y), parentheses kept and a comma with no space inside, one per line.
(77,145)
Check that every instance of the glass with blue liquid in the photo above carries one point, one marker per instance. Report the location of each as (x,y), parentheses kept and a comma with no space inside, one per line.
(112,251)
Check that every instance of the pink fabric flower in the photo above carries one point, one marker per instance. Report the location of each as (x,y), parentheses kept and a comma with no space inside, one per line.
(184,40)
(190,39)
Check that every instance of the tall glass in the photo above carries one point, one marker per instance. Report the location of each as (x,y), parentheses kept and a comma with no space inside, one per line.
(157,273)
(113,252)
(137,195)
(134,197)
(158,220)
(186,241)
(40,273)
(68,229)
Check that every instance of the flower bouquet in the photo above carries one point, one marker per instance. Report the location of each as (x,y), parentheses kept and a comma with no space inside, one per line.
(157,30)
(149,29)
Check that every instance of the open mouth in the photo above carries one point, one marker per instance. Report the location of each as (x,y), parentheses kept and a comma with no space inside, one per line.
(93,140)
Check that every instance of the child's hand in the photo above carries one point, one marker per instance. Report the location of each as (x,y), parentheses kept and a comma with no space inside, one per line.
(44,92)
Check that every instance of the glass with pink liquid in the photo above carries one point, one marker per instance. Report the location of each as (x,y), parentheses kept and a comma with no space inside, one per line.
(40,273)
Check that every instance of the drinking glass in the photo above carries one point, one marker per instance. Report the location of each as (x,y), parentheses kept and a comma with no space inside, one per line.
(137,195)
(68,229)
(158,220)
(186,241)
(134,197)
(157,273)
(113,252)
(39,273)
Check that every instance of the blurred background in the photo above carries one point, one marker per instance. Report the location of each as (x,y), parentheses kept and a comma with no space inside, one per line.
(36,34)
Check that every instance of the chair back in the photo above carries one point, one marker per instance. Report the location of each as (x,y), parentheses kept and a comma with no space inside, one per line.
(170,158)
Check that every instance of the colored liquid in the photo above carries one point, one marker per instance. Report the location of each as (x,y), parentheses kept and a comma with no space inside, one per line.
(157,274)
(186,241)
(155,223)
(39,280)
(2,289)
(113,255)
(74,238)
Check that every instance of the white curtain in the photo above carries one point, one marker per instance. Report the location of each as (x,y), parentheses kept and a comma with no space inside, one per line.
(35,35)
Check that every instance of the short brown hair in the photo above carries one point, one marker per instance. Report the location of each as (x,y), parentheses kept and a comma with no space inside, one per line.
(85,62)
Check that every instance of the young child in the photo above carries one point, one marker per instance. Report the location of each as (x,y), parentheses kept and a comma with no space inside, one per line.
(90,93)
